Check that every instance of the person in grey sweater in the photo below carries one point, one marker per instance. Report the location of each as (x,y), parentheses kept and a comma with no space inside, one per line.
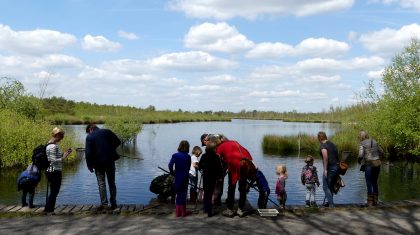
(369,156)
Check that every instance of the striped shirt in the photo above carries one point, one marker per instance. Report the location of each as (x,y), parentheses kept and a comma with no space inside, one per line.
(55,156)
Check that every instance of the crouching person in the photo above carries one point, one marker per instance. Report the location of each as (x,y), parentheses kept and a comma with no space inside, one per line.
(257,180)
(27,182)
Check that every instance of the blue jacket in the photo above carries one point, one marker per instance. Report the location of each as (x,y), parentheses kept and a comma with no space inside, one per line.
(182,163)
(29,177)
(101,147)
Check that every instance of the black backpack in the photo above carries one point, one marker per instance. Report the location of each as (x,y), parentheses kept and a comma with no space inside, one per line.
(39,157)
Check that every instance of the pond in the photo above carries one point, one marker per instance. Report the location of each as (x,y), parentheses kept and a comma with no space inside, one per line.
(157,142)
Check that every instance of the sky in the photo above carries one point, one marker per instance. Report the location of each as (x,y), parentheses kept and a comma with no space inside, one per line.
(201,55)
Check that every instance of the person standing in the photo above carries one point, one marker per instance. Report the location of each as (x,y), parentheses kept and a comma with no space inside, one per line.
(212,172)
(369,154)
(182,162)
(101,154)
(232,153)
(54,171)
(329,155)
(309,177)
(195,154)
(281,171)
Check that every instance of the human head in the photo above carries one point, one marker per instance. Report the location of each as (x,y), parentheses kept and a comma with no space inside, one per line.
(204,139)
(322,136)
(212,141)
(184,146)
(309,160)
(281,169)
(196,151)
(90,127)
(57,133)
(363,135)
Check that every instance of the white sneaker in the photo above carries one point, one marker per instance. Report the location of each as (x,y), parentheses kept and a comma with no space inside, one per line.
(240,212)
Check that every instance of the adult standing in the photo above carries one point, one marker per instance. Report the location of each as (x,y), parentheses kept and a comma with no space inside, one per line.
(231,152)
(101,154)
(182,162)
(212,172)
(54,171)
(329,155)
(369,154)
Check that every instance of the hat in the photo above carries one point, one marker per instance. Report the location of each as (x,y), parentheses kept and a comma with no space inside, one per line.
(309,159)
(203,136)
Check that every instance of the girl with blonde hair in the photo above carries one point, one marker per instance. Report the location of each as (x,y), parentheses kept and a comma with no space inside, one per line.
(281,171)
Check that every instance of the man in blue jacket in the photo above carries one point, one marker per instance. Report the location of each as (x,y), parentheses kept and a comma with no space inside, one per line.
(100,157)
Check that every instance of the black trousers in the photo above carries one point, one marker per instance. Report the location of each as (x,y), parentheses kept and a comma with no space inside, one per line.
(54,181)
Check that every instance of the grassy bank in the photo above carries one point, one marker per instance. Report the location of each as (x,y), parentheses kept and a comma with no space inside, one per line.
(346,140)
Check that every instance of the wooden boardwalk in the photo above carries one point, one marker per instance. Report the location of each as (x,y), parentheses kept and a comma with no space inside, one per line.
(165,208)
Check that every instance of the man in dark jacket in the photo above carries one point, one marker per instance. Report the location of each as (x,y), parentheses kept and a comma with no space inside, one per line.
(100,156)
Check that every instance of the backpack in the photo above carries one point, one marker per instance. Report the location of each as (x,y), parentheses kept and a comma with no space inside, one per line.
(40,158)
(29,177)
(307,175)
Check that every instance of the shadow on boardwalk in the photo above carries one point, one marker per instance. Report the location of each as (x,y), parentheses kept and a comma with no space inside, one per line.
(401,217)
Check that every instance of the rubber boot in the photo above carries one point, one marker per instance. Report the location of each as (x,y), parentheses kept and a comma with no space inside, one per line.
(370,200)
(178,211)
(184,211)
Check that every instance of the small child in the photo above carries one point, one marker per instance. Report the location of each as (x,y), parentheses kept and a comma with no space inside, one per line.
(281,171)
(27,181)
(309,177)
(195,154)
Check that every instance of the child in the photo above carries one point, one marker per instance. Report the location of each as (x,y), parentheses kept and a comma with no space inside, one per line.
(281,171)
(27,181)
(196,152)
(182,162)
(309,177)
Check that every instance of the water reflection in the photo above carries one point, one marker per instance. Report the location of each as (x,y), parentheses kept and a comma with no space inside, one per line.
(157,142)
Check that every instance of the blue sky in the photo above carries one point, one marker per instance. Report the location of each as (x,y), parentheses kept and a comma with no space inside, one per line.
(198,55)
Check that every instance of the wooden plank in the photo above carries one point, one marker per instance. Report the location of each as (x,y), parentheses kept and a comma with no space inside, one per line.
(59,208)
(124,208)
(131,208)
(76,209)
(2,206)
(8,208)
(86,208)
(15,209)
(40,209)
(67,209)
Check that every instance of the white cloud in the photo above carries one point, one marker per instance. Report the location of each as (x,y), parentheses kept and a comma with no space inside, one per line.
(99,43)
(415,4)
(376,74)
(251,9)
(191,61)
(47,62)
(316,47)
(221,79)
(127,35)
(35,42)
(271,50)
(219,37)
(388,41)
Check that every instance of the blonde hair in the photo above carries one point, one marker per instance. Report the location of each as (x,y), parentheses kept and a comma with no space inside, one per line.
(281,170)
(57,131)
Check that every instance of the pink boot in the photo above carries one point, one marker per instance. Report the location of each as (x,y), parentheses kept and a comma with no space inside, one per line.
(178,210)
(184,211)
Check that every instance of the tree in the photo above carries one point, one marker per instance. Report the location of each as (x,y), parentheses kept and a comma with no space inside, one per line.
(396,117)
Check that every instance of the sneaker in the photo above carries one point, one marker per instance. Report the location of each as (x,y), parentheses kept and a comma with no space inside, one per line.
(326,204)
(228,213)
(240,212)
(307,204)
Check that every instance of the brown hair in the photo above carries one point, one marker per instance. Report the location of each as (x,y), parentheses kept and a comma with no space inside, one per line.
(184,146)
(196,151)
(322,136)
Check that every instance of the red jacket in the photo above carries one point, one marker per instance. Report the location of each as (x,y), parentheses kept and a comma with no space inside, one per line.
(231,153)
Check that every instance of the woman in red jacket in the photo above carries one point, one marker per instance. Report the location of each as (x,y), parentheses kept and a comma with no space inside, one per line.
(232,153)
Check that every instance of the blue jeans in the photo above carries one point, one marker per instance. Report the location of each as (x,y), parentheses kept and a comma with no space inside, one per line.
(371,177)
(109,173)
(328,183)
(193,183)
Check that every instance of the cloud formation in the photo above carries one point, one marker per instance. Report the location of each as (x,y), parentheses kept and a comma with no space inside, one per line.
(251,9)
(99,44)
